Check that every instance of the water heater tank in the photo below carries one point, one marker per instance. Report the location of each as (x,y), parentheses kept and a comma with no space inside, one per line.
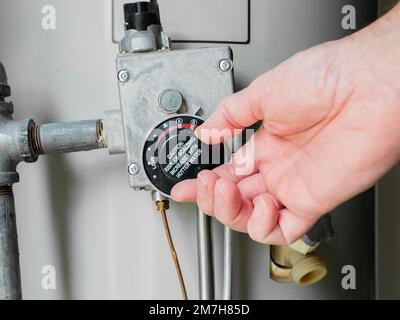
(77,214)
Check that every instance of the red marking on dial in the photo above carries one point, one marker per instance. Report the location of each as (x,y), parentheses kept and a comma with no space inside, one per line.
(181,126)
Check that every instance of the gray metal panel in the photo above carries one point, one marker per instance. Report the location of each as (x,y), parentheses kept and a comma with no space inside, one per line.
(194,73)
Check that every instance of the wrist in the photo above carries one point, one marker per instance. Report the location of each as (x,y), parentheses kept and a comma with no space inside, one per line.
(375,50)
(388,24)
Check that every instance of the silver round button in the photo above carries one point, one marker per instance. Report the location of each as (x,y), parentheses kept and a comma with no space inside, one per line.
(170,101)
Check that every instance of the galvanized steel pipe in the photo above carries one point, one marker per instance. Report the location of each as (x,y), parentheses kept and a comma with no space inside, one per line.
(68,137)
(10,279)
(227,284)
(205,256)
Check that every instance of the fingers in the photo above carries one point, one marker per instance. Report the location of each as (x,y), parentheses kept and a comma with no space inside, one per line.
(234,113)
(244,162)
(252,186)
(230,203)
(202,188)
(269,225)
(263,218)
(185,191)
(216,196)
(230,208)
(206,181)
(241,166)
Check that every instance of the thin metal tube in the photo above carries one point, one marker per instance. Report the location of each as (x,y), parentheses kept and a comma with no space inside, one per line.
(205,256)
(227,285)
(174,254)
(10,278)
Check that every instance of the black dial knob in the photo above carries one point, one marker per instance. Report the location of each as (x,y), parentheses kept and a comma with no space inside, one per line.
(173,154)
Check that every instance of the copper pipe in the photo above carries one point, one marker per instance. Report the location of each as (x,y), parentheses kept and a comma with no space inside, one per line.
(162,207)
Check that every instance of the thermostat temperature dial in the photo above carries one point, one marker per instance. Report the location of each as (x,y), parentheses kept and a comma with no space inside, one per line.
(172,153)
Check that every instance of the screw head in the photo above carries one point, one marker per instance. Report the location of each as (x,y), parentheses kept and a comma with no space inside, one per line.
(226,65)
(134,169)
(123,75)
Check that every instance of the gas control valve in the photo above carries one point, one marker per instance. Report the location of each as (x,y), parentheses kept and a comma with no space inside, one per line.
(172,153)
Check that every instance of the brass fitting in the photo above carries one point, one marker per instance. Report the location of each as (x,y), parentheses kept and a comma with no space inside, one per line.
(296,263)
(162,205)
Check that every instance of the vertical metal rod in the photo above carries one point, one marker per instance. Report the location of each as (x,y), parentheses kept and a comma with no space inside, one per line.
(227,286)
(10,279)
(205,256)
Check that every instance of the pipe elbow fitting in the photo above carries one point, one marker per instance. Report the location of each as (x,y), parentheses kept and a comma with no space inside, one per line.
(289,265)
(309,270)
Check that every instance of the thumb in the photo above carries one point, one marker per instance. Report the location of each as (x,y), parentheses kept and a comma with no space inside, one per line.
(234,113)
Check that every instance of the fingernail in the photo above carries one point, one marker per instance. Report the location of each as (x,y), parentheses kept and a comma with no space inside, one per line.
(259,209)
(203,187)
(276,203)
(197,132)
(219,193)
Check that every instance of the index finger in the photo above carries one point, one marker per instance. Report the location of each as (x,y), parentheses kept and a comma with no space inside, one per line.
(234,113)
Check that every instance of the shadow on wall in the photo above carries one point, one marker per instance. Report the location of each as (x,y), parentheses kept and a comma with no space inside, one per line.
(388,240)
(388,220)
(61,179)
(386,5)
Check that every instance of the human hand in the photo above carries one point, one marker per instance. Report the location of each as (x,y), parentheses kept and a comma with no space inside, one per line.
(330,129)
